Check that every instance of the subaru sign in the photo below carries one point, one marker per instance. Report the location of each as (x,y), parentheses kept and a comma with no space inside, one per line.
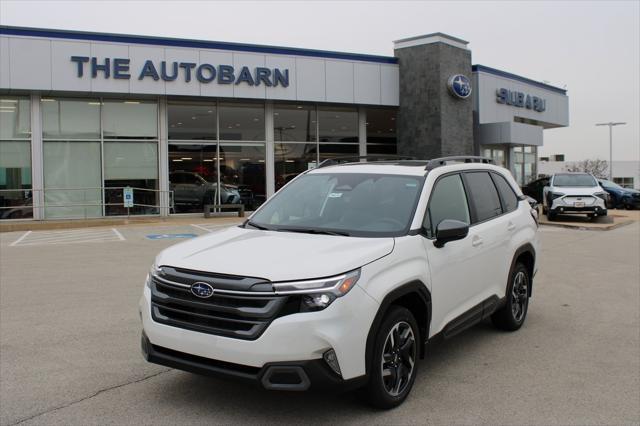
(520,100)
(459,86)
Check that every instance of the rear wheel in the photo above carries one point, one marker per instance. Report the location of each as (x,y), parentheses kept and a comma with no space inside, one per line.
(395,354)
(512,315)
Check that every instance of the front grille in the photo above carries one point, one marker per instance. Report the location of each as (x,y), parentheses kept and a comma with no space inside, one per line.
(241,316)
(572,199)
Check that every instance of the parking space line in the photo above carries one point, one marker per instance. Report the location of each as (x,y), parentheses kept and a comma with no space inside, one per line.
(88,240)
(61,236)
(201,227)
(69,236)
(20,239)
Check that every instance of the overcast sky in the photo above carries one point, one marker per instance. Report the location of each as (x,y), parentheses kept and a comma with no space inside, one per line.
(590,48)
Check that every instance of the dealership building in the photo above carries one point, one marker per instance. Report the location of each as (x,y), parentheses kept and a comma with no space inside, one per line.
(187,122)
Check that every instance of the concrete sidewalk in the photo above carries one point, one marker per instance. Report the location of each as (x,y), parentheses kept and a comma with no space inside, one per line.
(613,220)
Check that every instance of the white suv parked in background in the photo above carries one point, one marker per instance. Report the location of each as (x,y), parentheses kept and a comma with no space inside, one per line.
(344,275)
(574,193)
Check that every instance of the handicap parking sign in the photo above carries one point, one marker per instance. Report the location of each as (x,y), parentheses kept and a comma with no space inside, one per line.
(169,236)
(127,197)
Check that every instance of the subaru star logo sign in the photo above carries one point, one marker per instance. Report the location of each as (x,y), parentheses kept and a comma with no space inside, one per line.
(202,290)
(459,86)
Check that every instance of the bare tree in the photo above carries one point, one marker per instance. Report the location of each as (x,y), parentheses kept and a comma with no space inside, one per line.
(598,168)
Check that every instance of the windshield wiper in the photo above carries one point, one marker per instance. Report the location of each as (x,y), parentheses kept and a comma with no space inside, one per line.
(315,231)
(255,225)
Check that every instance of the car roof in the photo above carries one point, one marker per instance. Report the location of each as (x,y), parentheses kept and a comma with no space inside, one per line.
(408,168)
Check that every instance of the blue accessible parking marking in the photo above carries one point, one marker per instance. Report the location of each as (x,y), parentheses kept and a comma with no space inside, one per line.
(169,236)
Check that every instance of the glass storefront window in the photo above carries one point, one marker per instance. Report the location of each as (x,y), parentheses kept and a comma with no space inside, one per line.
(382,149)
(130,119)
(524,164)
(192,121)
(338,150)
(381,125)
(496,154)
(241,121)
(338,124)
(16,197)
(72,179)
(15,118)
(193,176)
(294,123)
(292,159)
(133,164)
(243,167)
(70,118)
(15,175)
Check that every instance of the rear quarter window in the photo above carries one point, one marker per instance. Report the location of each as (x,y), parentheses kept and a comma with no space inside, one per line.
(508,196)
(484,195)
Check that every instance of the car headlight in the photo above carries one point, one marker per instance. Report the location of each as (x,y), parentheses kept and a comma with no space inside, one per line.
(320,293)
(555,195)
(601,195)
(154,270)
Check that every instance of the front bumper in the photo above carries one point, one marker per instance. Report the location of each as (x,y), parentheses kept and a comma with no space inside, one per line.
(289,340)
(283,376)
(566,205)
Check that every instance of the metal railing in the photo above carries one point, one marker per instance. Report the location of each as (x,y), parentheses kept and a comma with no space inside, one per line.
(99,201)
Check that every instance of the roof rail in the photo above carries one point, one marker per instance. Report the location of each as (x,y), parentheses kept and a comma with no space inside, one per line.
(371,157)
(437,162)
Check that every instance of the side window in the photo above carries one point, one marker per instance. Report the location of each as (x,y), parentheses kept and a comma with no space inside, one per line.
(483,194)
(447,201)
(509,197)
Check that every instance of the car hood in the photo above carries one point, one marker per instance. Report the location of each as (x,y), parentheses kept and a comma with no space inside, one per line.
(276,256)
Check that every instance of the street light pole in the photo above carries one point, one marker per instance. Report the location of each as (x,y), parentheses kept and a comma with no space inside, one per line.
(611,124)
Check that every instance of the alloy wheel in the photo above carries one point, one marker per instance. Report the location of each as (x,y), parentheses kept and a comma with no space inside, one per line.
(519,296)
(398,358)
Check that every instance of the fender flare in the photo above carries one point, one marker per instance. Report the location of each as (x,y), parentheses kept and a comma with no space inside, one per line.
(410,287)
(525,248)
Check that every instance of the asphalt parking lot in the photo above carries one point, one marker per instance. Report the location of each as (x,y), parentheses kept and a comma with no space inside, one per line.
(69,343)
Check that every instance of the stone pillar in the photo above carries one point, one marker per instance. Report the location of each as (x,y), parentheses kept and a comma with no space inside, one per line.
(432,122)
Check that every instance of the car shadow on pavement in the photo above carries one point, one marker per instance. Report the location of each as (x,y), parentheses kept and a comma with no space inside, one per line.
(238,402)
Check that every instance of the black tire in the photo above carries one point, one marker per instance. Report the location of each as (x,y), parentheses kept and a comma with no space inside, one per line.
(393,358)
(512,315)
(551,215)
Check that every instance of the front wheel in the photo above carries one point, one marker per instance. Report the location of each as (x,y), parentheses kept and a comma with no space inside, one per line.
(512,315)
(395,354)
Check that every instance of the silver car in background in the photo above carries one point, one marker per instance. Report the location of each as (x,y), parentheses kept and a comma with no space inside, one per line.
(573,193)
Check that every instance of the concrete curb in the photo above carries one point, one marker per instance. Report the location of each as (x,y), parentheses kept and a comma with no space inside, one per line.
(582,227)
(90,223)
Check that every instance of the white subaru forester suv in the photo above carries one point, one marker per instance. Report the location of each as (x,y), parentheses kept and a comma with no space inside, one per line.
(344,275)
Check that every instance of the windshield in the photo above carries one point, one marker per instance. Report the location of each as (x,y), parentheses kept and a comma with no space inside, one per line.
(608,184)
(574,180)
(355,204)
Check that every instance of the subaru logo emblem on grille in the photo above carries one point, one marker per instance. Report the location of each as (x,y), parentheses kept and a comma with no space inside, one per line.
(202,290)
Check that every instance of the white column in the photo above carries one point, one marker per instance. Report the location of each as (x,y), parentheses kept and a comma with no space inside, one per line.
(362,130)
(37,158)
(270,148)
(163,156)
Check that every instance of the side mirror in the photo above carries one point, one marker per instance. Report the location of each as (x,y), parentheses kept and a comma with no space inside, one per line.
(450,230)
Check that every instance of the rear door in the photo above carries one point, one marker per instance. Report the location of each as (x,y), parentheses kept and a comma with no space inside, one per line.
(489,235)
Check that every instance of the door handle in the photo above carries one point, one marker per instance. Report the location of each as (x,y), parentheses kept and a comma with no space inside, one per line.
(476,241)
(511,226)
